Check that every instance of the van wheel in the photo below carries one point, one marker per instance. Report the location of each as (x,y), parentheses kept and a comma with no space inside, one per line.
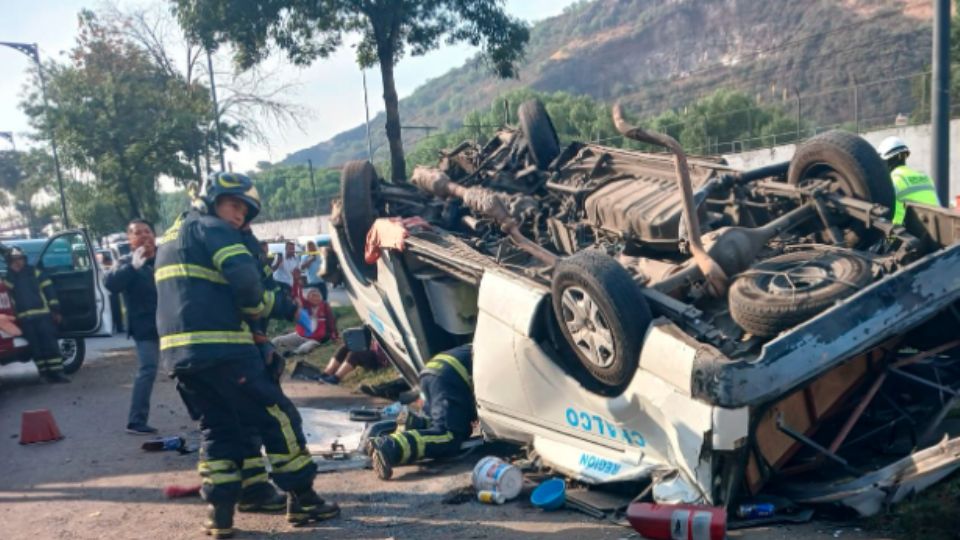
(784,291)
(603,317)
(359,191)
(73,351)
(849,161)
(538,129)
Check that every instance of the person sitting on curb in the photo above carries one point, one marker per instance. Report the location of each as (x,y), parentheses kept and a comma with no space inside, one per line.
(451,409)
(316,325)
(344,361)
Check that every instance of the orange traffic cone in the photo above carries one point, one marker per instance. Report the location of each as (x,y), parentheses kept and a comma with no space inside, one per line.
(38,427)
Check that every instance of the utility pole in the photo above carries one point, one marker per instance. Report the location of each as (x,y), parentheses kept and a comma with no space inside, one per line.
(366,111)
(940,100)
(31,50)
(313,185)
(216,111)
(799,111)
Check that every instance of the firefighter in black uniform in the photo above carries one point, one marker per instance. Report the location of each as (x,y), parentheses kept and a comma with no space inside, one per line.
(207,282)
(258,494)
(38,314)
(450,406)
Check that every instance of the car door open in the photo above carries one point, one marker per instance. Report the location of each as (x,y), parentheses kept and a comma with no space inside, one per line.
(68,260)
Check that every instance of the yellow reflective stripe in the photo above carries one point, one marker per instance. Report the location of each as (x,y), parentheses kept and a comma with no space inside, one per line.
(225,253)
(32,312)
(269,299)
(54,302)
(255,310)
(260,478)
(438,439)
(253,463)
(171,271)
(455,364)
(421,444)
(221,478)
(187,339)
(294,465)
(404,446)
(173,232)
(46,283)
(292,445)
(216,465)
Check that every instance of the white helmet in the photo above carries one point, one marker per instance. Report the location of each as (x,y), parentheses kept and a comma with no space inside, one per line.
(892,147)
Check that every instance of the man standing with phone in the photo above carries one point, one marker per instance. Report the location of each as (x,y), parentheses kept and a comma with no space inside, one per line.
(133,277)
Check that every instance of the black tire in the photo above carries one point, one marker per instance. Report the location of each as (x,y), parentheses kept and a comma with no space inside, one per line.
(783,291)
(847,159)
(74,351)
(359,189)
(621,316)
(538,130)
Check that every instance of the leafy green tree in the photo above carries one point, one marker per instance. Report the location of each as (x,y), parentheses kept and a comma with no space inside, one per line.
(311,29)
(23,176)
(123,119)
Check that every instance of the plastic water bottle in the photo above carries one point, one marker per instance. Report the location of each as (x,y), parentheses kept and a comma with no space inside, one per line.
(491,497)
(164,443)
(754,511)
(393,409)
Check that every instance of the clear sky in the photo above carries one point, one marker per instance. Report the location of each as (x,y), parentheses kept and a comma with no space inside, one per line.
(331,88)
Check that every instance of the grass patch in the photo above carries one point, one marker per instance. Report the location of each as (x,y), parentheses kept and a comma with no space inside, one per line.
(931,515)
(346,318)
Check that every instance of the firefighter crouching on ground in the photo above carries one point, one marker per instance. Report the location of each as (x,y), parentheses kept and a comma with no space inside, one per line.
(910,185)
(450,406)
(38,314)
(207,282)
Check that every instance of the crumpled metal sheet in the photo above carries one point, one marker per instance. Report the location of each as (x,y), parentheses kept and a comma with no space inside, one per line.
(871,492)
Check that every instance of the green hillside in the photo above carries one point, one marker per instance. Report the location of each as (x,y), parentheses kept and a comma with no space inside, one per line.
(666,54)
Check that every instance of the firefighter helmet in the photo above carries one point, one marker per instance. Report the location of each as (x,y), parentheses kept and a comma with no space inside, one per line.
(238,185)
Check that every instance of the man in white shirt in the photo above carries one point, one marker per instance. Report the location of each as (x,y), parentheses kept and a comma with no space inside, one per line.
(286,268)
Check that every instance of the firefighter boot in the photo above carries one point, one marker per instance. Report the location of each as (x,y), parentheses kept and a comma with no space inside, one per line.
(380,459)
(262,498)
(307,506)
(219,522)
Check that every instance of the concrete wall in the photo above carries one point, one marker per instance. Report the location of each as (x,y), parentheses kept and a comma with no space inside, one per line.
(291,228)
(916,137)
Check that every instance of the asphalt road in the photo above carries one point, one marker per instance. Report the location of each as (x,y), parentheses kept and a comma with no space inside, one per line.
(96,483)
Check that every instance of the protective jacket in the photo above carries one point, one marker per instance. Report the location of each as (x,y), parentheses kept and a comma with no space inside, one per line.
(32,291)
(912,186)
(453,371)
(207,282)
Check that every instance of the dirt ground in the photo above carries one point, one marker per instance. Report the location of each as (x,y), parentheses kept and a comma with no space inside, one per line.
(97,483)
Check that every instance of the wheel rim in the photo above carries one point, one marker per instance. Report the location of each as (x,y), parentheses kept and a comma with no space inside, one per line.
(68,350)
(587,327)
(826,172)
(798,279)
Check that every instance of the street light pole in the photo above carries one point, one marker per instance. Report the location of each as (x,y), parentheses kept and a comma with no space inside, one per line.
(216,111)
(31,50)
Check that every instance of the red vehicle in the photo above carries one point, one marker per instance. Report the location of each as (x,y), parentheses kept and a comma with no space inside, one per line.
(68,259)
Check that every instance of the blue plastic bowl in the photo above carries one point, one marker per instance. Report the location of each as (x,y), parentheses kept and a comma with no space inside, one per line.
(549,495)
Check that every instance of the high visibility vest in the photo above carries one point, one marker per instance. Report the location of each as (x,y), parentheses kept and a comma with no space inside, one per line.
(912,186)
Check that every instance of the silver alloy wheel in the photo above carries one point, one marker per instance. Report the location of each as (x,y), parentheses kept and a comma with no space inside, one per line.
(68,350)
(587,328)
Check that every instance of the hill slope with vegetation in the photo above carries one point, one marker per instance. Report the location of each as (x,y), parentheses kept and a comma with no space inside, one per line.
(663,55)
